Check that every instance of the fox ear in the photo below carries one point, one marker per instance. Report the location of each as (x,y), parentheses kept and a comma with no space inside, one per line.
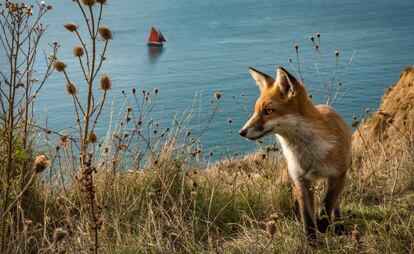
(286,82)
(262,80)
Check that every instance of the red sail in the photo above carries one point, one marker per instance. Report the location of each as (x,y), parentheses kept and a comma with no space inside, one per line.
(153,35)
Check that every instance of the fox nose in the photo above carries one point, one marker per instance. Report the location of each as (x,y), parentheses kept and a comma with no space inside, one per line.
(242,132)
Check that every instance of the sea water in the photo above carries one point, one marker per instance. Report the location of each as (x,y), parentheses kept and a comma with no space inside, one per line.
(210,44)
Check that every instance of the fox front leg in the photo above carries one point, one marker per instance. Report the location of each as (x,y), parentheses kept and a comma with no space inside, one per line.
(304,197)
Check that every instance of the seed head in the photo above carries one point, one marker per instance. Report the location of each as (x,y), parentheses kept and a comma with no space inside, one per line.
(318,35)
(355,234)
(40,163)
(156,91)
(106,33)
(296,46)
(199,150)
(92,137)
(106,83)
(78,51)
(312,39)
(151,194)
(210,153)
(387,227)
(229,121)
(88,2)
(194,194)
(101,1)
(271,227)
(133,90)
(59,66)
(28,223)
(71,89)
(355,122)
(59,234)
(71,27)
(274,216)
(52,57)
(126,134)
(217,95)
(336,53)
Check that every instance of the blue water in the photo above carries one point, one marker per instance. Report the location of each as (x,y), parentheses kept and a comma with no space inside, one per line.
(210,44)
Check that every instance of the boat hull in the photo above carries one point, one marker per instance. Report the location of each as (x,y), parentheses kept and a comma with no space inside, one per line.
(154,44)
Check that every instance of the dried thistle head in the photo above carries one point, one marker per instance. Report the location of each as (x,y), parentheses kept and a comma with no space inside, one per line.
(59,234)
(89,2)
(217,95)
(274,216)
(28,223)
(92,137)
(71,27)
(187,134)
(355,122)
(387,227)
(40,163)
(101,1)
(271,227)
(106,83)
(312,39)
(59,65)
(71,89)
(106,33)
(356,237)
(296,46)
(78,51)
(63,139)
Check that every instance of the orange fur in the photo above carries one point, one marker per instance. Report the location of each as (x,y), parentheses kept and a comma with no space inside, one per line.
(316,142)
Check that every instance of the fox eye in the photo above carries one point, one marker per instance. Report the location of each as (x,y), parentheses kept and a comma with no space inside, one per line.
(269,111)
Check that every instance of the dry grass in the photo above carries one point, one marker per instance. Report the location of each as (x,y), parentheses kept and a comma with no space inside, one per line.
(178,207)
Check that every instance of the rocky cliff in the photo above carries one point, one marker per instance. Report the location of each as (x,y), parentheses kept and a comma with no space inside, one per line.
(392,125)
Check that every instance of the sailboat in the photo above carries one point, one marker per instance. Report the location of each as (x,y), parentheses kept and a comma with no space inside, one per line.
(155,38)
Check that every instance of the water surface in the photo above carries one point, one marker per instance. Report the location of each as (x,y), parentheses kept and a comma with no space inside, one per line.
(210,44)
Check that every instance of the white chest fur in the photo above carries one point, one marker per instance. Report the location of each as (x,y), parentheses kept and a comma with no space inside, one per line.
(305,151)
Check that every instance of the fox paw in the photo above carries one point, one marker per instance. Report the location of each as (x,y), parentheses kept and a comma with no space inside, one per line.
(339,228)
(323,225)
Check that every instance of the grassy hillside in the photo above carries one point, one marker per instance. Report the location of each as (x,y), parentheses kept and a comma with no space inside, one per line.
(143,189)
(238,205)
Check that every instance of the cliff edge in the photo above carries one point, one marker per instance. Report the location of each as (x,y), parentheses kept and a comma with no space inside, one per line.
(391,126)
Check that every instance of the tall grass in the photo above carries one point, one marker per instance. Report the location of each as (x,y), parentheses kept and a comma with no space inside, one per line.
(20,37)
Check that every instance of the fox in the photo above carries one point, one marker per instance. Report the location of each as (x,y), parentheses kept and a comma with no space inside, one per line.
(315,142)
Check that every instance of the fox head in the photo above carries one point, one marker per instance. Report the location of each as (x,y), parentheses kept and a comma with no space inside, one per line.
(280,103)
